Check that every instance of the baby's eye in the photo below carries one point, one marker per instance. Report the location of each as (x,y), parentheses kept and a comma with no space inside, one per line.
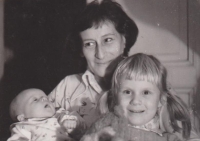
(127,92)
(89,44)
(146,92)
(51,100)
(108,40)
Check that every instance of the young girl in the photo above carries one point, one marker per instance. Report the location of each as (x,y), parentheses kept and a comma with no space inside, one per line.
(138,92)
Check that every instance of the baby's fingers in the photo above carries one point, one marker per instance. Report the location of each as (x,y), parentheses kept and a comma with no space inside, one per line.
(70,124)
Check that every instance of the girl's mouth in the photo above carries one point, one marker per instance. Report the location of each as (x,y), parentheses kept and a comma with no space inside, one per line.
(136,111)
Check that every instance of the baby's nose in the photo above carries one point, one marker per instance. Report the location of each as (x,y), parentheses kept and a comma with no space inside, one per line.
(44,99)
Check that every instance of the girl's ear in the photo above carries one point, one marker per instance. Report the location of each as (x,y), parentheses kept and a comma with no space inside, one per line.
(124,41)
(20,117)
(163,100)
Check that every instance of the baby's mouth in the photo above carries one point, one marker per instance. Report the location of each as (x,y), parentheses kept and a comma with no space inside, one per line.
(46,106)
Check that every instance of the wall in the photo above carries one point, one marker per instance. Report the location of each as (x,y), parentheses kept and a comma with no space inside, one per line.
(1,40)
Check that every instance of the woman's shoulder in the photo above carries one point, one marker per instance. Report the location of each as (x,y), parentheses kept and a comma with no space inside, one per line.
(73,78)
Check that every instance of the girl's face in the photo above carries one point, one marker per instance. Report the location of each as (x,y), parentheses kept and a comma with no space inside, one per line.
(139,100)
(101,46)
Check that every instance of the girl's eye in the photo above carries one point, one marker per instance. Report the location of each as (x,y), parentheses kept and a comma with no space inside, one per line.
(108,40)
(89,44)
(127,92)
(146,92)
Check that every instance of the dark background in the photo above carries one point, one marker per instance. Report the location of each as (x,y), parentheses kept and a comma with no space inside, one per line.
(35,32)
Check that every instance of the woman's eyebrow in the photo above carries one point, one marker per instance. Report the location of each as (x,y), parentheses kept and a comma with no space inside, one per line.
(108,34)
(87,39)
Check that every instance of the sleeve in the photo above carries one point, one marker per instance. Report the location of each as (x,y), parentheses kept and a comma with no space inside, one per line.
(19,134)
(57,96)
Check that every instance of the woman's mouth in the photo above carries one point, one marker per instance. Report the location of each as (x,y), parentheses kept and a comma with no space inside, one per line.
(103,63)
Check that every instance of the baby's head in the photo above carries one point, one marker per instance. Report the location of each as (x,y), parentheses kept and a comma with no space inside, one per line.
(138,87)
(31,103)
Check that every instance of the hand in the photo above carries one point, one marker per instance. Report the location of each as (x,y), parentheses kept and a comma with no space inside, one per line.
(70,123)
(80,121)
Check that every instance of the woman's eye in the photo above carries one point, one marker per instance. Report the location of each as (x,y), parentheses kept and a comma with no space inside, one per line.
(84,103)
(89,44)
(35,100)
(127,92)
(146,92)
(108,40)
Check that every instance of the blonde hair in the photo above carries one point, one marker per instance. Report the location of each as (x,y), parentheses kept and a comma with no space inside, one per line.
(147,67)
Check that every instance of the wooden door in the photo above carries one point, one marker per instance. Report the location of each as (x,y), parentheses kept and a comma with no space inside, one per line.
(166,31)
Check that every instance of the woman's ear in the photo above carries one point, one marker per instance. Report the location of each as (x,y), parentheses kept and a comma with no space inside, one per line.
(81,54)
(20,117)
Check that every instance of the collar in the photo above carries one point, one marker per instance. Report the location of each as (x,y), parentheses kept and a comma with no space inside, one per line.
(34,119)
(89,80)
(152,125)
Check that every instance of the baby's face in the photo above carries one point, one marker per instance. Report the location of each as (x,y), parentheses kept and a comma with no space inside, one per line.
(36,104)
(139,100)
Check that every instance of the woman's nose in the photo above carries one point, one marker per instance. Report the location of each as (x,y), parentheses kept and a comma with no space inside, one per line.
(100,53)
(135,100)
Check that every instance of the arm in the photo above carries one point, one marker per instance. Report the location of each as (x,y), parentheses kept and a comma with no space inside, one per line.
(72,122)
(57,96)
(19,134)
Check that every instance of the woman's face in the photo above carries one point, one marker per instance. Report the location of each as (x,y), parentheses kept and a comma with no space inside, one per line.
(101,46)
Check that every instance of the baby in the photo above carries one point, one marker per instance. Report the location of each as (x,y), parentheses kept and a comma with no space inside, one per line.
(138,93)
(38,119)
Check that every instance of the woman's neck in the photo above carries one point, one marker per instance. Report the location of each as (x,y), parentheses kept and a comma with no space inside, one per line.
(103,82)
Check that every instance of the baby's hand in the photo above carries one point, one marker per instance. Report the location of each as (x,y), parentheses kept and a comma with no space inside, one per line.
(70,123)
(80,121)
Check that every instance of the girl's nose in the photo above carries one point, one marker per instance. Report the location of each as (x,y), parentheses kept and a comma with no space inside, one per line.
(44,99)
(136,100)
(100,53)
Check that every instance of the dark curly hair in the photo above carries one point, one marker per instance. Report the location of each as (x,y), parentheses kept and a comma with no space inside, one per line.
(95,13)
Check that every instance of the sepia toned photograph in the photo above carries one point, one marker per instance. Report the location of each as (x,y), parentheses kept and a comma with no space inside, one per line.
(99,70)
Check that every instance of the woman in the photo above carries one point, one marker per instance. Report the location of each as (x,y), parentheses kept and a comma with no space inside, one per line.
(106,34)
